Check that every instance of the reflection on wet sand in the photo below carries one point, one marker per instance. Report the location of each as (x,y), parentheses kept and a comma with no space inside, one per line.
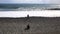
(37,25)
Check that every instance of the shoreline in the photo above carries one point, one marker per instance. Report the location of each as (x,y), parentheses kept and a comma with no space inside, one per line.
(41,13)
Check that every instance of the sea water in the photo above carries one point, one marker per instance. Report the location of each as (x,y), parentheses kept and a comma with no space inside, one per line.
(26,7)
(23,7)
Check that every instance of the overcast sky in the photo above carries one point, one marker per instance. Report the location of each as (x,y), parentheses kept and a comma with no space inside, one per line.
(30,1)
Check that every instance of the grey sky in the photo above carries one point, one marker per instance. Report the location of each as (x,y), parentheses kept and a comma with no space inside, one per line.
(31,1)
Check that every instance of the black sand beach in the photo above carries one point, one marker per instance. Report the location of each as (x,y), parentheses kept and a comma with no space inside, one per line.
(33,25)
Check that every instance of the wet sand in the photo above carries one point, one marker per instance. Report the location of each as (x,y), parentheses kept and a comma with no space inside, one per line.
(32,25)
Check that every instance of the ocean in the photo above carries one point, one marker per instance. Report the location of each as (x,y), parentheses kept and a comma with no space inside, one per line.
(26,7)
